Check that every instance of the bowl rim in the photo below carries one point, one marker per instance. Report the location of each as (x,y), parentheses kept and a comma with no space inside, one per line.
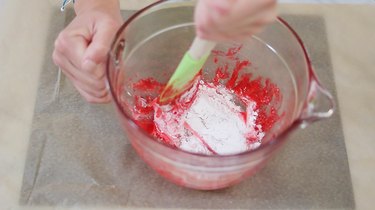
(272,143)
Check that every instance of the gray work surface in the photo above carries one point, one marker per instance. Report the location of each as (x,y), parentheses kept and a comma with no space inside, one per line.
(79,156)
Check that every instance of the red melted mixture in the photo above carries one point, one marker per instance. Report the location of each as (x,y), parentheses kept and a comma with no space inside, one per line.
(245,86)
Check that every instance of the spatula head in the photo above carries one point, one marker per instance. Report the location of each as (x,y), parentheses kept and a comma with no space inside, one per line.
(182,79)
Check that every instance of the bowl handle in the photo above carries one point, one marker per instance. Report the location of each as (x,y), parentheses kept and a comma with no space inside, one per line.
(319,105)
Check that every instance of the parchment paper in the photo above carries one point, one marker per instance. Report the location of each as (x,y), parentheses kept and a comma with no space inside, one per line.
(79,156)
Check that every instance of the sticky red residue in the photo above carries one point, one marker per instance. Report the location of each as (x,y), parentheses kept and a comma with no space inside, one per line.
(148,84)
(221,74)
(240,65)
(143,105)
(260,90)
(231,53)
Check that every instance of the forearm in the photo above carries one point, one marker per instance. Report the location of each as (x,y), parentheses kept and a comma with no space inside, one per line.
(84,5)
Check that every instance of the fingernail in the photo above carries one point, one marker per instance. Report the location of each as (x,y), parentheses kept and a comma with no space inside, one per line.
(89,65)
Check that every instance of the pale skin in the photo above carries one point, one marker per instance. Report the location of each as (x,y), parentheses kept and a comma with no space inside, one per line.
(81,48)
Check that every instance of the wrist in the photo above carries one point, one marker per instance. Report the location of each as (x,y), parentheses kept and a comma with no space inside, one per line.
(82,6)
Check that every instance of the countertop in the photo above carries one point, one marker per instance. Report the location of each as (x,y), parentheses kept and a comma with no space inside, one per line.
(351,36)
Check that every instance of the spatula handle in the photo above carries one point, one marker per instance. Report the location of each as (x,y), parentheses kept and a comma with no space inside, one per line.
(201,48)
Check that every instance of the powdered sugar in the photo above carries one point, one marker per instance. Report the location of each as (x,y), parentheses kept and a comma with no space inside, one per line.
(207,120)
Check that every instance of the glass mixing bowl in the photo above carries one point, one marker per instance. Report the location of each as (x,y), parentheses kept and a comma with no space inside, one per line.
(151,44)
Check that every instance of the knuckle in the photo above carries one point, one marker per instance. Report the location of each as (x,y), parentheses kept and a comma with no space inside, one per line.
(102,49)
(57,58)
(99,75)
(61,43)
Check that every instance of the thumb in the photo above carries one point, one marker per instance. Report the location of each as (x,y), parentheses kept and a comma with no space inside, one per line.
(97,50)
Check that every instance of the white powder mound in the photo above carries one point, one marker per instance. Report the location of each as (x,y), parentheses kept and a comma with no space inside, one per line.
(211,124)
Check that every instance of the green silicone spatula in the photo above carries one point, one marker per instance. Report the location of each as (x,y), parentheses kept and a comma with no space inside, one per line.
(190,65)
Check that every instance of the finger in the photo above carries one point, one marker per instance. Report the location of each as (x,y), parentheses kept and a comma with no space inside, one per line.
(93,99)
(218,37)
(207,26)
(241,16)
(202,20)
(256,25)
(245,8)
(250,30)
(222,7)
(61,62)
(219,26)
(246,12)
(86,79)
(72,46)
(97,51)
(261,17)
(85,92)
(77,74)
(79,85)
(89,91)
